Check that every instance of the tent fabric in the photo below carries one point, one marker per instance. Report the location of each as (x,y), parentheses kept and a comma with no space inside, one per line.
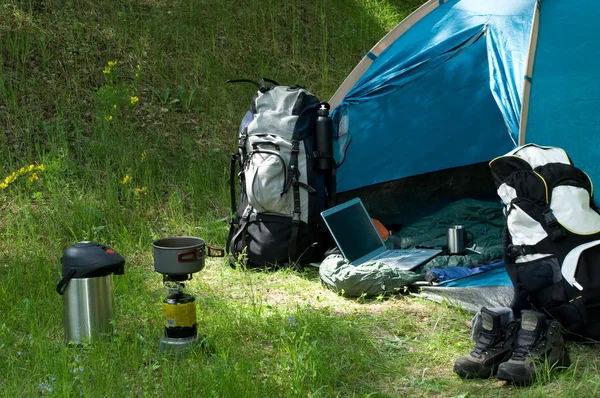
(565,85)
(446,93)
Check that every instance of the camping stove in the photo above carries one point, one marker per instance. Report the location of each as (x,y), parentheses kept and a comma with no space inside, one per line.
(177,259)
(179,311)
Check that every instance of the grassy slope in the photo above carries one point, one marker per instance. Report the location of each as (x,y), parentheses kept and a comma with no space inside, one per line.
(125,174)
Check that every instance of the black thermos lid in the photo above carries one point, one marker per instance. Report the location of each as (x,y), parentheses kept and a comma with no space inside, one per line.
(91,259)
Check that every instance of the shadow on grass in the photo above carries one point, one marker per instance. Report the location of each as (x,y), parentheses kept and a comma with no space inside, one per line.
(278,353)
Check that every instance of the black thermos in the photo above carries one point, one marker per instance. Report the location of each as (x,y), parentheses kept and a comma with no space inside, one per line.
(324,139)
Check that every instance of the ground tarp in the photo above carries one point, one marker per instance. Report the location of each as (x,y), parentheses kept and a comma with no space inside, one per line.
(492,288)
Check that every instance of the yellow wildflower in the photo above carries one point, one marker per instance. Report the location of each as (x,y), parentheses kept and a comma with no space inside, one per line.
(139,66)
(31,170)
(141,189)
(137,75)
(11,178)
(126,179)
(134,100)
(115,106)
(108,68)
(108,118)
(143,155)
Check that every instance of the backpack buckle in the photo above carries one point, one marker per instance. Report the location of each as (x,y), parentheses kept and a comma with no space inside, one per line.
(514,251)
(549,218)
(295,147)
(555,231)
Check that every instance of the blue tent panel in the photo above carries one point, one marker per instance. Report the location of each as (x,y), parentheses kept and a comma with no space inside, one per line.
(565,87)
(445,94)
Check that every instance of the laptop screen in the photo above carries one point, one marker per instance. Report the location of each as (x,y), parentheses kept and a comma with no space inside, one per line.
(353,230)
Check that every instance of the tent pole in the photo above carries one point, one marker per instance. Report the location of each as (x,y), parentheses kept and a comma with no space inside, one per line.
(528,75)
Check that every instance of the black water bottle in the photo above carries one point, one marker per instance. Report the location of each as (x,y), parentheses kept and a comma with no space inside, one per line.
(324,139)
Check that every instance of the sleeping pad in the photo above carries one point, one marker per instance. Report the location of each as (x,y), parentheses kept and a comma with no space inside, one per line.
(483,220)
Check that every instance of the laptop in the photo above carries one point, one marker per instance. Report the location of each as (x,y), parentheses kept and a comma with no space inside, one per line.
(359,241)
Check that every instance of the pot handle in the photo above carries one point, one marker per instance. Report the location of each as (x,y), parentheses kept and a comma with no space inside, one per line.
(188,257)
(220,252)
(62,285)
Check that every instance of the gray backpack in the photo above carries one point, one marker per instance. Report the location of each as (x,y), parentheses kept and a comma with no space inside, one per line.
(285,181)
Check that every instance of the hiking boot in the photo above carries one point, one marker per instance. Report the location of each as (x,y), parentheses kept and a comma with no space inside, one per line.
(540,347)
(495,338)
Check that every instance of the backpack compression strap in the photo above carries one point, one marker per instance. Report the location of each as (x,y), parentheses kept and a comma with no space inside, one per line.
(295,182)
(294,175)
(240,235)
(233,220)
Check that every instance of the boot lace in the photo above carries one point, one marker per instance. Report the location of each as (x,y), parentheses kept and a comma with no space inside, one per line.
(486,342)
(522,351)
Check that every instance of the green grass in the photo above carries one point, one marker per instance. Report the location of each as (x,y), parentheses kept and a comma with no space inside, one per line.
(126,173)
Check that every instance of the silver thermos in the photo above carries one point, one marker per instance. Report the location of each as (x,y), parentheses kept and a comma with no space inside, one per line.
(87,290)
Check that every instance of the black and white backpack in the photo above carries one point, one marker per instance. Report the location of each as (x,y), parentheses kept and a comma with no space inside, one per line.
(552,240)
(283,190)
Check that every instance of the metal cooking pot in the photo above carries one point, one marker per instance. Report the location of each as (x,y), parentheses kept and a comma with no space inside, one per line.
(182,255)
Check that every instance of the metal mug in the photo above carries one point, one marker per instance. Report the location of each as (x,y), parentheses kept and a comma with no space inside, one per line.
(456,239)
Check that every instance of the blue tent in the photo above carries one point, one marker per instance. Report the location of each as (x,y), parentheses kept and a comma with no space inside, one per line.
(458,83)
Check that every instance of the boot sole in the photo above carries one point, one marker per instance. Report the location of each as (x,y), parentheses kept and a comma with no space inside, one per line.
(520,380)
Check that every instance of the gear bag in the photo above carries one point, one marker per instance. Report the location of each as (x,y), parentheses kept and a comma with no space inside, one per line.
(552,237)
(286,181)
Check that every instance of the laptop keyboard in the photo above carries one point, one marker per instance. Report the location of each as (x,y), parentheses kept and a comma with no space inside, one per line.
(393,255)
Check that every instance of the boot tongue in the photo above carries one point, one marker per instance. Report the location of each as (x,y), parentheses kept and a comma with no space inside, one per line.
(532,321)
(487,321)
(490,321)
(532,329)
(491,331)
